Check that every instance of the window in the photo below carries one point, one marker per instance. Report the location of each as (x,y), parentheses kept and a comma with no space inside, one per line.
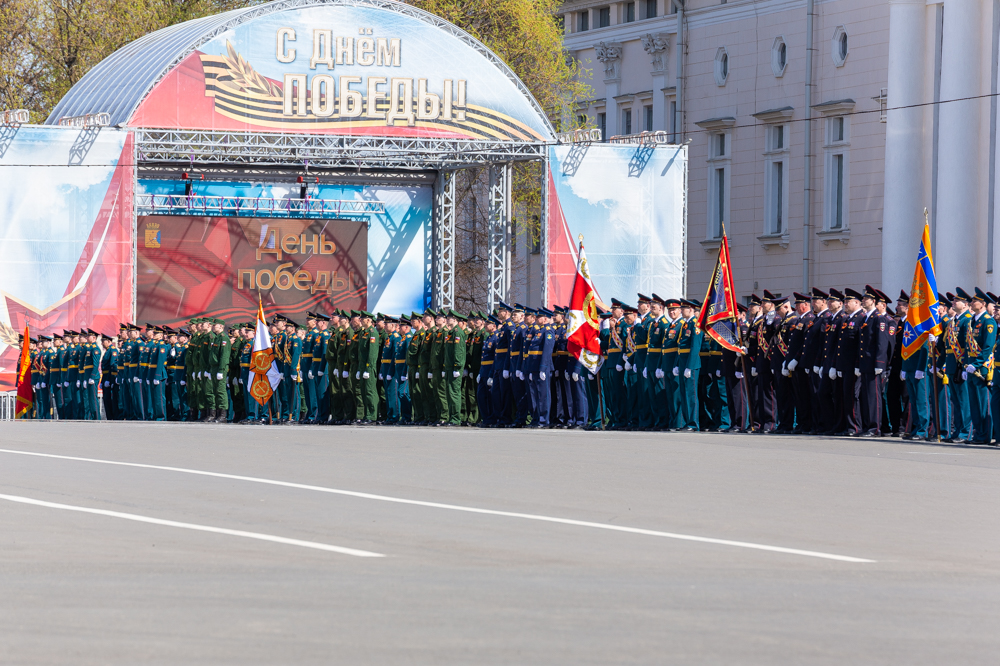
(779,56)
(837,177)
(721,66)
(673,7)
(629,13)
(647,118)
(719,182)
(604,17)
(650,9)
(776,156)
(602,124)
(585,20)
(626,121)
(673,121)
(839,48)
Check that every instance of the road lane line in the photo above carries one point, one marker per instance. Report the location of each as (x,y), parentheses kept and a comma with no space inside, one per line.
(192,526)
(457,507)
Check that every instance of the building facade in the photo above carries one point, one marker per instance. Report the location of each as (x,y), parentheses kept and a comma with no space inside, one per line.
(798,146)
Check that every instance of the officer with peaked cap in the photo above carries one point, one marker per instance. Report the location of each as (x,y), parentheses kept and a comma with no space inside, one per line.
(848,358)
(688,365)
(978,370)
(955,342)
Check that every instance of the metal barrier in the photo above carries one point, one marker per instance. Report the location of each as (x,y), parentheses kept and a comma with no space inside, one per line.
(8,403)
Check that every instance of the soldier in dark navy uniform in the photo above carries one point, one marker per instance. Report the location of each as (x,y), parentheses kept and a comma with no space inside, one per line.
(797,364)
(846,366)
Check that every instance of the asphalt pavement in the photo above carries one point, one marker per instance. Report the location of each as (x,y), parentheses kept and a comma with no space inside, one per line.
(162,543)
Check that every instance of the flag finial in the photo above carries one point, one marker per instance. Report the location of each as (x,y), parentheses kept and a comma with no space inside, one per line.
(925,215)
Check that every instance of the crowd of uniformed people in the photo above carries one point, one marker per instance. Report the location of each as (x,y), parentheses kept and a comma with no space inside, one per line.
(820,363)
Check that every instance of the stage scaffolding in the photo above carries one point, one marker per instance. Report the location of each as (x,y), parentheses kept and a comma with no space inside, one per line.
(281,152)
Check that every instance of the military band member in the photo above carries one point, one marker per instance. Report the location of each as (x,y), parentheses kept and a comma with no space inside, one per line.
(956,336)
(981,336)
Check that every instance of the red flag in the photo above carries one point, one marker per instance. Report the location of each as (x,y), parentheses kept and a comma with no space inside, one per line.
(718,312)
(25,393)
(583,328)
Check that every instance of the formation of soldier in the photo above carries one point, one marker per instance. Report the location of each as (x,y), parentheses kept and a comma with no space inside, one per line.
(826,363)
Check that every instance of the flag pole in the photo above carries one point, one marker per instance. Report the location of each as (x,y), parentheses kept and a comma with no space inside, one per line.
(937,414)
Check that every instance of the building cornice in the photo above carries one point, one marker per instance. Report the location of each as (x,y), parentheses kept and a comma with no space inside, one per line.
(835,107)
(714,124)
(775,115)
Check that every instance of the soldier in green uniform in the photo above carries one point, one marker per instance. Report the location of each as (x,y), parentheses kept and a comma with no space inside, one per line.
(366,368)
(218,367)
(452,366)
(474,358)
(614,386)
(413,378)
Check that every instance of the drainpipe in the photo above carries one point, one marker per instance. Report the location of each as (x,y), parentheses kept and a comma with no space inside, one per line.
(679,111)
(807,190)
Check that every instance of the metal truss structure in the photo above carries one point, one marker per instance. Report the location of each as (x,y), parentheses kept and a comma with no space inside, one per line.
(195,204)
(444,241)
(322,150)
(499,233)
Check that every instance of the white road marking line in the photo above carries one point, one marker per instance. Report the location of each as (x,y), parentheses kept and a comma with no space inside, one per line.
(456,507)
(934,453)
(192,526)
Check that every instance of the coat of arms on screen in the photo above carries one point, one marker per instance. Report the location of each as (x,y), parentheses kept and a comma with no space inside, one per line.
(153,234)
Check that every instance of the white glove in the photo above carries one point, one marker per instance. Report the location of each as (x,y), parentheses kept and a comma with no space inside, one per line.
(430,376)
(576,377)
(965,376)
(753,371)
(520,375)
(506,374)
(805,370)
(785,372)
(677,372)
(878,371)
(816,369)
(147,381)
(555,373)
(310,374)
(618,368)
(456,374)
(659,373)
(403,378)
(832,374)
(156,382)
(380,377)
(357,375)
(106,385)
(66,384)
(857,372)
(541,375)
(78,383)
(90,381)
(183,383)
(135,380)
(218,375)
(477,379)
(793,364)
(918,375)
(319,373)
(173,353)
(628,366)
(687,373)
(932,339)
(465,373)
(840,374)
(365,375)
(531,377)
(235,382)
(442,373)
(970,369)
(718,373)
(739,375)
(346,374)
(902,375)
(241,381)
(489,382)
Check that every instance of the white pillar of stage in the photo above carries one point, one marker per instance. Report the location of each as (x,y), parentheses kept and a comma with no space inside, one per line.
(958,234)
(905,197)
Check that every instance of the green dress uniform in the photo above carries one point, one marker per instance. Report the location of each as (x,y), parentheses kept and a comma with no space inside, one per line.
(403,373)
(439,392)
(453,365)
(218,368)
(689,365)
(421,383)
(365,373)
(981,336)
(474,357)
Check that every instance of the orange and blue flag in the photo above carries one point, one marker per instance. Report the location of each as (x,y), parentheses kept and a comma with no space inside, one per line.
(922,318)
(719,311)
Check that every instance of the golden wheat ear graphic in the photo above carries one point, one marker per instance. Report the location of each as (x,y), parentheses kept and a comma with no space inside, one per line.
(245,77)
(8,335)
